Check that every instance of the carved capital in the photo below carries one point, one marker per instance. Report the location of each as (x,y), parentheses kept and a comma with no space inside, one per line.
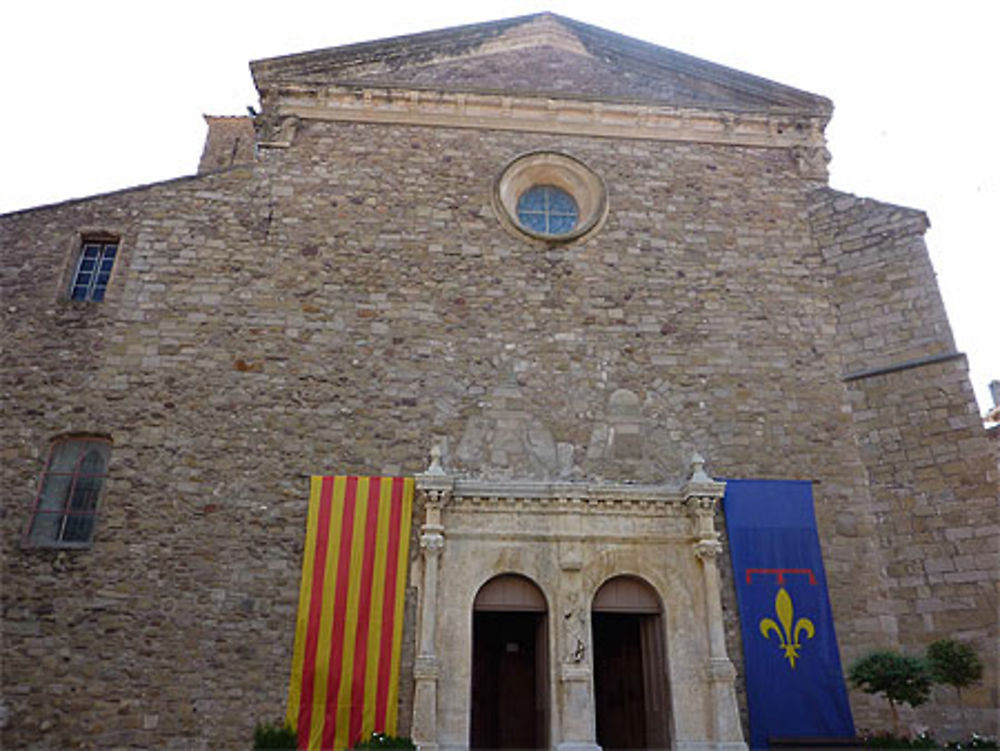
(701,508)
(708,548)
(431,540)
(701,504)
(435,486)
(436,497)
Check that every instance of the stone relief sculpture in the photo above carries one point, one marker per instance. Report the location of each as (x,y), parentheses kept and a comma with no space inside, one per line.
(575,629)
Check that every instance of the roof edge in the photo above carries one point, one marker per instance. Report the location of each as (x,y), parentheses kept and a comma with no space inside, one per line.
(129,189)
(261,65)
(268,72)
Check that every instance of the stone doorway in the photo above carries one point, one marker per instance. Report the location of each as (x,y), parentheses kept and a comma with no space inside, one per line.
(630,677)
(510,695)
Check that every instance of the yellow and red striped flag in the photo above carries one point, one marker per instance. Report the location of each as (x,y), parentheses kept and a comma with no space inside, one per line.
(345,666)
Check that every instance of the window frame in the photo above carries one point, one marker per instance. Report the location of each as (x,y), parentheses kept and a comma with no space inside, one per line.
(557,170)
(83,444)
(103,241)
(548,212)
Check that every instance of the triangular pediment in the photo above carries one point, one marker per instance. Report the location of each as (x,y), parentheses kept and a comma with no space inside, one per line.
(539,55)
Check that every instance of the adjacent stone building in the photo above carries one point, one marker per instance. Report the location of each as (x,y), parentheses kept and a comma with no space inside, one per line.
(560,262)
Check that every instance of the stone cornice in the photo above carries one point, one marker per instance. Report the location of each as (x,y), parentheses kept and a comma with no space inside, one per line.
(460,532)
(565,492)
(564,506)
(774,128)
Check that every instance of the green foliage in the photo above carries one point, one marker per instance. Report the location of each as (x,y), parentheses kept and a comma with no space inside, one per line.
(274,736)
(954,663)
(897,677)
(975,741)
(888,740)
(381,740)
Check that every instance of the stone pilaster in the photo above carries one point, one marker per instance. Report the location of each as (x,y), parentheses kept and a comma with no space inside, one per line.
(435,487)
(578,731)
(701,495)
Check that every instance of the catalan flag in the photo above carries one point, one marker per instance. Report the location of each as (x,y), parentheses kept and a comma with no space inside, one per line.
(345,666)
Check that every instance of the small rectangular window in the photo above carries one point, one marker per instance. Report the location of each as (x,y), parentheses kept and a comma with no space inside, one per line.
(66,507)
(93,270)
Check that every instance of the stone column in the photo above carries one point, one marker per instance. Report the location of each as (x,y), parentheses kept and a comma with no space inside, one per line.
(435,488)
(701,494)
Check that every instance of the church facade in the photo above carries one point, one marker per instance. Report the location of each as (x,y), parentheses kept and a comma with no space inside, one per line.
(567,280)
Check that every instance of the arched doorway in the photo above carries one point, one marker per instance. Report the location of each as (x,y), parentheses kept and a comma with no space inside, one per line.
(631,696)
(510,696)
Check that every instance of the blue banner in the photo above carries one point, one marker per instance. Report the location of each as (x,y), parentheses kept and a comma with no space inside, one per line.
(795,685)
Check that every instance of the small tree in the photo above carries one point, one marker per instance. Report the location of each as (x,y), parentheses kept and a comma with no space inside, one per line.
(898,677)
(954,664)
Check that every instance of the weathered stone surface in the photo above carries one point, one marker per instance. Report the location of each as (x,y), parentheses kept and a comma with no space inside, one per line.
(932,476)
(342,303)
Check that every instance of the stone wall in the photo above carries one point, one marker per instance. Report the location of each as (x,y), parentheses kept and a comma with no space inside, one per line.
(337,307)
(930,463)
(230,141)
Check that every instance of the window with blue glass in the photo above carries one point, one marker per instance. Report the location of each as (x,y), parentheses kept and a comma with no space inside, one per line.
(93,270)
(547,210)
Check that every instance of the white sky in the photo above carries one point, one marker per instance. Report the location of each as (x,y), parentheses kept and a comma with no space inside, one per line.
(101,95)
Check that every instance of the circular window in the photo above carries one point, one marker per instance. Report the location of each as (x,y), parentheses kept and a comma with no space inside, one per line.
(550,197)
(547,210)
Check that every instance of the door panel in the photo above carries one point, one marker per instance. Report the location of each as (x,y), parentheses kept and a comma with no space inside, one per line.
(507,693)
(619,690)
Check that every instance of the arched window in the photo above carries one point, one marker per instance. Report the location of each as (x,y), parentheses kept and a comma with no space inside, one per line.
(69,492)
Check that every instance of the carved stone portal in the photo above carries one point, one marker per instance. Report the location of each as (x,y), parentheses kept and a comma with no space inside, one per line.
(569,539)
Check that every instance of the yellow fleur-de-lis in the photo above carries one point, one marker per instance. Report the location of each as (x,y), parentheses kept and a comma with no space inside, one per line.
(788,636)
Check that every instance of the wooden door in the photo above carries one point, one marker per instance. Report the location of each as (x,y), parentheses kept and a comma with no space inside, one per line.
(506,696)
(619,690)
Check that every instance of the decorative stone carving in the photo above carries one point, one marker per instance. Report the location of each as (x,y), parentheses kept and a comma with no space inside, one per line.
(812,161)
(435,467)
(707,548)
(574,630)
(565,116)
(701,496)
(568,537)
(431,541)
(276,131)
(435,487)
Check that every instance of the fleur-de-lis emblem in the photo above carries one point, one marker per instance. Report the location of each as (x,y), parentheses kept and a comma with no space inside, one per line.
(787,635)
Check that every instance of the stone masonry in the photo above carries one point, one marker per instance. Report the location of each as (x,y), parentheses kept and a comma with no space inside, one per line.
(348,299)
(933,480)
